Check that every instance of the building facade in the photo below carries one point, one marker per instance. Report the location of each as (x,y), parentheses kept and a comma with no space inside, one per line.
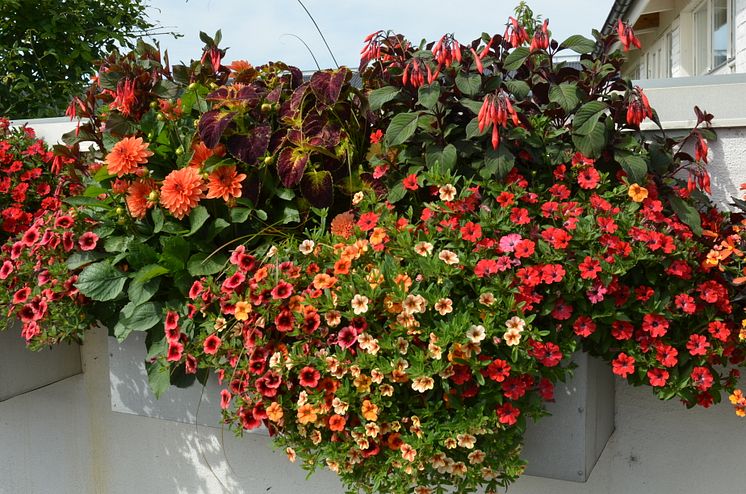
(683,38)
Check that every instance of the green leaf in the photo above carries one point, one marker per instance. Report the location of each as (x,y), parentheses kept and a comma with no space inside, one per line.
(240,215)
(117,244)
(578,44)
(519,89)
(140,292)
(687,213)
(635,166)
(290,215)
(101,282)
(427,96)
(589,133)
(497,163)
(79,259)
(401,128)
(565,95)
(397,193)
(200,265)
(516,58)
(159,377)
(472,129)
(91,202)
(197,218)
(149,272)
(379,97)
(469,83)
(175,253)
(158,218)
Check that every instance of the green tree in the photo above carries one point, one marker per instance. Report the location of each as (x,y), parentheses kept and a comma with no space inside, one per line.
(48,48)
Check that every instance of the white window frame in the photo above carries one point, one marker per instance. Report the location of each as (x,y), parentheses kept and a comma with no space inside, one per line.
(709,64)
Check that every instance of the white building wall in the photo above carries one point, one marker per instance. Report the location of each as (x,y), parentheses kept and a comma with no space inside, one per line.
(740,23)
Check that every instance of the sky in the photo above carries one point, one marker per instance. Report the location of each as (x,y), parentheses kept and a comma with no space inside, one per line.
(261,30)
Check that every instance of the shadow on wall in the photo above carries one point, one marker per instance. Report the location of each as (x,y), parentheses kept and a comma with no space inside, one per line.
(185,450)
(727,165)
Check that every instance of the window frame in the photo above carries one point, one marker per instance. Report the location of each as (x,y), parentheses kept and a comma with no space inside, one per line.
(709,66)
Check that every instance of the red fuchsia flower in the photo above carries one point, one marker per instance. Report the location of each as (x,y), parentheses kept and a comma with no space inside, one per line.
(638,107)
(589,268)
(127,156)
(282,290)
(697,345)
(495,111)
(702,378)
(372,48)
(309,377)
(655,324)
(700,148)
(623,365)
(584,326)
(88,241)
(124,98)
(175,351)
(415,71)
(367,221)
(447,50)
(507,414)
(225,399)
(498,370)
(540,40)
(658,377)
(515,34)
(627,36)
(212,344)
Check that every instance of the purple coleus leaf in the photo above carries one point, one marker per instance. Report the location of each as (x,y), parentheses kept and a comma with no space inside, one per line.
(249,95)
(318,188)
(212,125)
(327,85)
(291,163)
(249,148)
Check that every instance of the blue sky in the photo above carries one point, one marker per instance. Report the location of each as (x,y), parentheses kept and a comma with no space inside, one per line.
(258,30)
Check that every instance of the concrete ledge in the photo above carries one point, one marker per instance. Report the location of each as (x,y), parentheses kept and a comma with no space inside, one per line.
(22,370)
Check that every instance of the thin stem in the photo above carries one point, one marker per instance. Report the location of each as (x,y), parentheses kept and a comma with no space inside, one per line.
(307,48)
(323,38)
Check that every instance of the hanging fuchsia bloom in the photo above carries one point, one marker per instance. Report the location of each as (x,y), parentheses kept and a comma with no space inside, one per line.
(372,48)
(446,50)
(638,107)
(495,111)
(627,36)
(541,37)
(515,34)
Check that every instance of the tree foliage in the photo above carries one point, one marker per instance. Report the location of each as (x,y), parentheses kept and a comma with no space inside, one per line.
(48,48)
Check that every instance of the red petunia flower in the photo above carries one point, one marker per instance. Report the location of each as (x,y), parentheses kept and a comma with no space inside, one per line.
(88,241)
(697,344)
(658,377)
(589,268)
(584,326)
(702,378)
(471,232)
(212,344)
(368,221)
(410,182)
(623,365)
(309,377)
(498,370)
(655,324)
(588,178)
(282,290)
(225,399)
(175,351)
(507,414)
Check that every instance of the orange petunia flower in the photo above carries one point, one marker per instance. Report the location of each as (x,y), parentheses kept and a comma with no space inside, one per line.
(274,412)
(202,153)
(337,423)
(369,410)
(224,182)
(343,225)
(323,281)
(127,155)
(139,198)
(306,414)
(637,193)
(181,191)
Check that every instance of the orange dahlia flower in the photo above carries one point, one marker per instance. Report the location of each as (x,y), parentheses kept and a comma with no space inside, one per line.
(138,200)
(224,182)
(127,155)
(181,191)
(202,153)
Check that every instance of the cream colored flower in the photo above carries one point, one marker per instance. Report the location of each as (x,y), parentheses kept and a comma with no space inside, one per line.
(306,247)
(340,407)
(450,443)
(422,384)
(487,299)
(291,454)
(476,333)
(515,322)
(448,257)
(408,452)
(447,192)
(220,324)
(423,248)
(332,465)
(466,440)
(512,337)
(376,376)
(333,317)
(434,351)
(372,429)
(459,468)
(357,198)
(444,306)
(477,456)
(272,251)
(402,345)
(438,460)
(359,304)
(386,390)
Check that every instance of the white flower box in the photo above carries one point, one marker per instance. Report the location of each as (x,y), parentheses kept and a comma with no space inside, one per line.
(22,370)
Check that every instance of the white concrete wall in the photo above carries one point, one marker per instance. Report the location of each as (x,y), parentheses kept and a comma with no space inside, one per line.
(65,439)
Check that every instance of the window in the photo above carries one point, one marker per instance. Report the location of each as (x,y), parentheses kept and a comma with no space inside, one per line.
(713,35)
(669,51)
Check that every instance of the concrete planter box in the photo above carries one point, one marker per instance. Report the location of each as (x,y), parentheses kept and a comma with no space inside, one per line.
(22,370)
(567,444)
(563,446)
